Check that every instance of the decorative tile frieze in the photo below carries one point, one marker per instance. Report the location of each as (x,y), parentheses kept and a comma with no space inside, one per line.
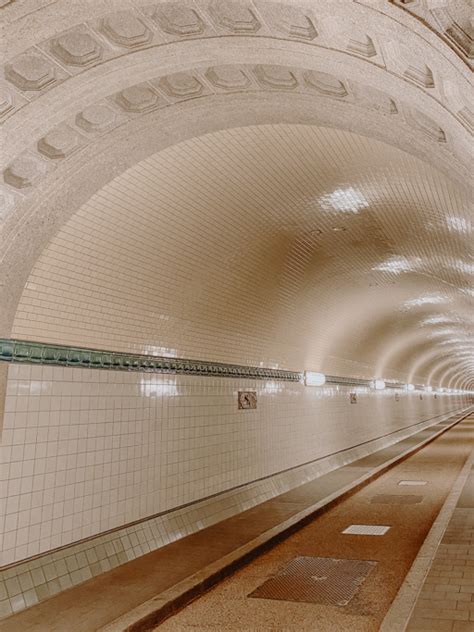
(347,381)
(49,354)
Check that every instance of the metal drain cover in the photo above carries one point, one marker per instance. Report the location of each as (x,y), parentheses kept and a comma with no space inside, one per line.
(413,483)
(366,529)
(396,499)
(322,580)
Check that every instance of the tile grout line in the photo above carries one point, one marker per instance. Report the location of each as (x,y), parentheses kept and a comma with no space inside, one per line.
(155,610)
(399,614)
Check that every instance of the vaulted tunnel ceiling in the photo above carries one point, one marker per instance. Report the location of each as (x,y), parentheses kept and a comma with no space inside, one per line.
(252,182)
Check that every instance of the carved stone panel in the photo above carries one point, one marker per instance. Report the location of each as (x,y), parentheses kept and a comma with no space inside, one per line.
(276,77)
(96,118)
(228,78)
(138,99)
(421,74)
(237,18)
(178,20)
(182,85)
(59,142)
(290,21)
(429,127)
(326,84)
(77,48)
(25,171)
(126,29)
(33,72)
(363,46)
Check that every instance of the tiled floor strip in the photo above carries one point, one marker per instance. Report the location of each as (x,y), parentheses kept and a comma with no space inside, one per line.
(438,592)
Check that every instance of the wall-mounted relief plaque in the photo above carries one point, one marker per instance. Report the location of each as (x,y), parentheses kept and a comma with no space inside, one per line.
(353,398)
(247,400)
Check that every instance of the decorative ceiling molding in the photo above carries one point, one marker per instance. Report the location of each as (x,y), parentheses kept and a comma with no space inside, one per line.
(76,90)
(451,20)
(58,144)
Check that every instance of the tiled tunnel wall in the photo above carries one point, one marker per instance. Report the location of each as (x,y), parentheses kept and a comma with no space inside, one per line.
(88,450)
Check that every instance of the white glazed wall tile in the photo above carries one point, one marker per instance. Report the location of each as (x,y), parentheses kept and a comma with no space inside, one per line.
(85,451)
(225,246)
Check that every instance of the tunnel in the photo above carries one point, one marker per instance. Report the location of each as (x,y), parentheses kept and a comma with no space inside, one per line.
(236,316)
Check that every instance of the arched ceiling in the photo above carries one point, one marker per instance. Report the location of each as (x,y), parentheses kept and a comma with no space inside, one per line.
(256,182)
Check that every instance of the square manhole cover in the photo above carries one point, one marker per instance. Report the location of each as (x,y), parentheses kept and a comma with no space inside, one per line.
(322,580)
(366,529)
(412,483)
(396,499)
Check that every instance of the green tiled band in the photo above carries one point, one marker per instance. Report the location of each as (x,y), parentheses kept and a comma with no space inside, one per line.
(59,355)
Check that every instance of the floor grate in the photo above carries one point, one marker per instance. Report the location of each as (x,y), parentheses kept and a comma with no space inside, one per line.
(396,499)
(412,483)
(321,580)
(366,529)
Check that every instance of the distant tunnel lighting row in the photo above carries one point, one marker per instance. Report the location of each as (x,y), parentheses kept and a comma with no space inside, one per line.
(312,378)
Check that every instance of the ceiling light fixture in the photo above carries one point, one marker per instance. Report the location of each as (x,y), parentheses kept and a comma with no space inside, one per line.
(458,224)
(396,265)
(428,299)
(314,379)
(348,200)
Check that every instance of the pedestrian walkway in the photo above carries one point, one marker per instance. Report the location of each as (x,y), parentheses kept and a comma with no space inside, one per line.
(446,601)
(409,510)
